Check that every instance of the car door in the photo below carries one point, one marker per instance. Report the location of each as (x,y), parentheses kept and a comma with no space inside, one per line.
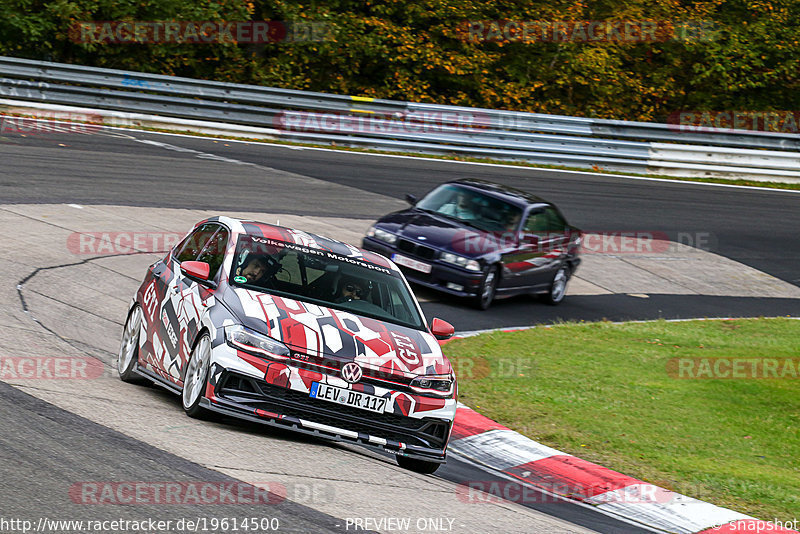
(546,230)
(178,313)
(192,298)
(541,245)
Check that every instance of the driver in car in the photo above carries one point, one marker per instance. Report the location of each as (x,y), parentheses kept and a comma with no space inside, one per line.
(254,269)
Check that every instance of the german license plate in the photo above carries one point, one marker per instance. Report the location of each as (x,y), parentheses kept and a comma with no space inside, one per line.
(411,263)
(347,397)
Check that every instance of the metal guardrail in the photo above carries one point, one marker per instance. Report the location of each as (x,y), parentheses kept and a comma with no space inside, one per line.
(411,127)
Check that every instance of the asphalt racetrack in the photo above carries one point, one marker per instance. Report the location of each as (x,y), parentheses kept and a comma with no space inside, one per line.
(63,434)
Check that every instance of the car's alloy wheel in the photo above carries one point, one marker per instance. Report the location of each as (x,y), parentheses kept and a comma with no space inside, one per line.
(129,347)
(194,384)
(487,289)
(418,466)
(558,288)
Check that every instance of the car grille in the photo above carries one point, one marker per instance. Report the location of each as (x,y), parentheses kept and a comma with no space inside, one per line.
(415,249)
(430,433)
(333,366)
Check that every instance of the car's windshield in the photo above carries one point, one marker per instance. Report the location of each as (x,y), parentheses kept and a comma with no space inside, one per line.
(472,207)
(324,278)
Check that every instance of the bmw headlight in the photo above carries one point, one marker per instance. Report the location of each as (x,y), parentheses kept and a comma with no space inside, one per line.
(438,385)
(247,340)
(382,235)
(461,261)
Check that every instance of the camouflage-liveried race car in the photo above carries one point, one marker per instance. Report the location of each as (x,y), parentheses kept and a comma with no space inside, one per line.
(291,329)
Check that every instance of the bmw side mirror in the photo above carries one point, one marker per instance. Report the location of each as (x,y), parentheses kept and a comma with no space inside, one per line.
(411,199)
(198,271)
(441,329)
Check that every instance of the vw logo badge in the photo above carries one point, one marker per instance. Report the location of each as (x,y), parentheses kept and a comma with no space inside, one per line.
(351,372)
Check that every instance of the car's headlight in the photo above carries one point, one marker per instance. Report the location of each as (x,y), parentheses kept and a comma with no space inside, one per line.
(247,340)
(439,385)
(382,235)
(461,261)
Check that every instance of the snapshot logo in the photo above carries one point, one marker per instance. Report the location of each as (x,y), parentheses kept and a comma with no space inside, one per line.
(81,243)
(733,368)
(757,525)
(44,124)
(585,31)
(415,122)
(735,120)
(50,368)
(496,491)
(199,32)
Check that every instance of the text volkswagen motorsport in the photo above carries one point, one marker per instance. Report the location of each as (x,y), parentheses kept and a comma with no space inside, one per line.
(292,329)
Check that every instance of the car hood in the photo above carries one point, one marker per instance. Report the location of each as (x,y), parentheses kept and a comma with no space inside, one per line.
(440,232)
(338,336)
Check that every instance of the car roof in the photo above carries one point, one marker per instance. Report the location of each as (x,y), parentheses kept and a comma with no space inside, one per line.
(300,237)
(507,193)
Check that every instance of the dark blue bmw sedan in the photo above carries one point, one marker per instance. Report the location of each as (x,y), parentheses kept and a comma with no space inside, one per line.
(480,240)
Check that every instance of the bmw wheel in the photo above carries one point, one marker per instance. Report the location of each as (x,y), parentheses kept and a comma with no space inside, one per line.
(558,288)
(194,384)
(487,289)
(418,466)
(129,348)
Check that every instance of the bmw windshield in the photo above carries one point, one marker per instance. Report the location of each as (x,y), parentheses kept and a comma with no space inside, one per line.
(324,278)
(472,208)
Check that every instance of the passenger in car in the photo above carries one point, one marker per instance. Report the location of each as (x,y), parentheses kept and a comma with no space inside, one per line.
(351,288)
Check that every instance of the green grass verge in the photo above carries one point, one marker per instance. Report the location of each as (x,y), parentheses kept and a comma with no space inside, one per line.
(608,393)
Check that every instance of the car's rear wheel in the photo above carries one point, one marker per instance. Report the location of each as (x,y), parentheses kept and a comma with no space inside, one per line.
(194,384)
(487,289)
(129,348)
(418,466)
(558,287)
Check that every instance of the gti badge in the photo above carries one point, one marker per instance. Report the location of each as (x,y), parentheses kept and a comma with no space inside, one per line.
(351,372)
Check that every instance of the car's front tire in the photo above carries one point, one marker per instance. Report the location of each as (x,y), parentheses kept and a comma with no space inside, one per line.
(129,348)
(194,383)
(487,289)
(558,287)
(423,467)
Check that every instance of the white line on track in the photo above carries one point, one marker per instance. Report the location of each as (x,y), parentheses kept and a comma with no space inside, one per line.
(496,165)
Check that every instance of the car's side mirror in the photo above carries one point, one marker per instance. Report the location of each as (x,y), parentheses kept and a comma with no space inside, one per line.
(442,329)
(411,199)
(198,271)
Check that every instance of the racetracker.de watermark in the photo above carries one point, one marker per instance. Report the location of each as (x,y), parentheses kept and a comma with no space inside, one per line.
(198,492)
(496,491)
(735,120)
(50,368)
(56,123)
(415,122)
(127,242)
(585,31)
(199,32)
(733,368)
(469,242)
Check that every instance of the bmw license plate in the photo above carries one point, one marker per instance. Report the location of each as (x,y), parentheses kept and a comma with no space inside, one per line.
(411,263)
(356,399)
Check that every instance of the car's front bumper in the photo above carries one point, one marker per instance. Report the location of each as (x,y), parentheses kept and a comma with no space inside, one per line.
(441,278)
(278,393)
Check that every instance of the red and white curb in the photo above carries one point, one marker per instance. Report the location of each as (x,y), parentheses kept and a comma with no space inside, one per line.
(493,446)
